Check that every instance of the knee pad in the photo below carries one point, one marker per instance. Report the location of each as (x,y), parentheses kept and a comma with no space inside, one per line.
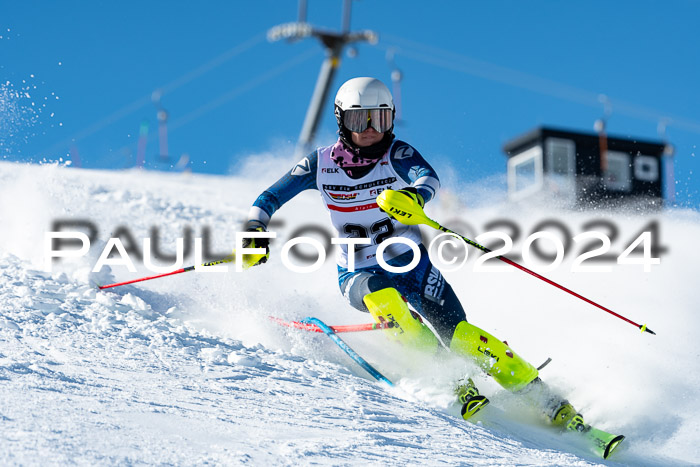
(387,305)
(495,357)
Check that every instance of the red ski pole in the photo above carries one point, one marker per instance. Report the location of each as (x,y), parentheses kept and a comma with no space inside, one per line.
(228,259)
(117,284)
(406,211)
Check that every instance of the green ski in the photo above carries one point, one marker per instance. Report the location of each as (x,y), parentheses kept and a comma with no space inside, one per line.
(604,443)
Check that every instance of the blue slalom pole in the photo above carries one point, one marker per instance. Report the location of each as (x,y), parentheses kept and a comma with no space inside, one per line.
(348,350)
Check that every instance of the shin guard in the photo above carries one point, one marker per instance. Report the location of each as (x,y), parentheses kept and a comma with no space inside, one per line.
(495,357)
(387,305)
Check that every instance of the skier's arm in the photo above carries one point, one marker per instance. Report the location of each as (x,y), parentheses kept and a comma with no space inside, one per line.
(299,178)
(411,166)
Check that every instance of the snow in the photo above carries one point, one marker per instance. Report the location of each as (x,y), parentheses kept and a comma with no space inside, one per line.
(187,369)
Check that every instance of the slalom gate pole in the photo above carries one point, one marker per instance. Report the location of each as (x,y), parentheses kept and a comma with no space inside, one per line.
(307,326)
(403,209)
(348,350)
(228,259)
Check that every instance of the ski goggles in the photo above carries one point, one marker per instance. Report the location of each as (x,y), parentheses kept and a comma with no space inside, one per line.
(358,120)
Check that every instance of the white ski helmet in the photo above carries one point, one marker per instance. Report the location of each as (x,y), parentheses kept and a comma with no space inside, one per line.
(363,102)
(363,93)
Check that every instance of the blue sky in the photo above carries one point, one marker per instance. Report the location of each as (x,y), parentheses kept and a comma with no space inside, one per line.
(78,78)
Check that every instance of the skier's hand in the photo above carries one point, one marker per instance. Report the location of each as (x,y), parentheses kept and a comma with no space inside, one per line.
(412,193)
(405,206)
(257,243)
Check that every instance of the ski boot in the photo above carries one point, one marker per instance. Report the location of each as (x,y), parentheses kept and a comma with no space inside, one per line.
(559,411)
(468,395)
(562,415)
(565,416)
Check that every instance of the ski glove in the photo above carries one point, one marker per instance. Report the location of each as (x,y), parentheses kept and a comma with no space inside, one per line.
(257,242)
(412,193)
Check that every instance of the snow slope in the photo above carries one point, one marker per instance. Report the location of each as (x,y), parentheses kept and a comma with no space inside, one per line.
(188,369)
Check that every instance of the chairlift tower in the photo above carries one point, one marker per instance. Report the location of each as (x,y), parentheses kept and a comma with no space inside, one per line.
(334,43)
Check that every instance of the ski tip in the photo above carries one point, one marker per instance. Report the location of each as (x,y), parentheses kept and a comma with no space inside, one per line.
(473,405)
(644,328)
(612,445)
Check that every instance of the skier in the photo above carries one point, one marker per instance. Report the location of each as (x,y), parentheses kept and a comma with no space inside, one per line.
(350,174)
